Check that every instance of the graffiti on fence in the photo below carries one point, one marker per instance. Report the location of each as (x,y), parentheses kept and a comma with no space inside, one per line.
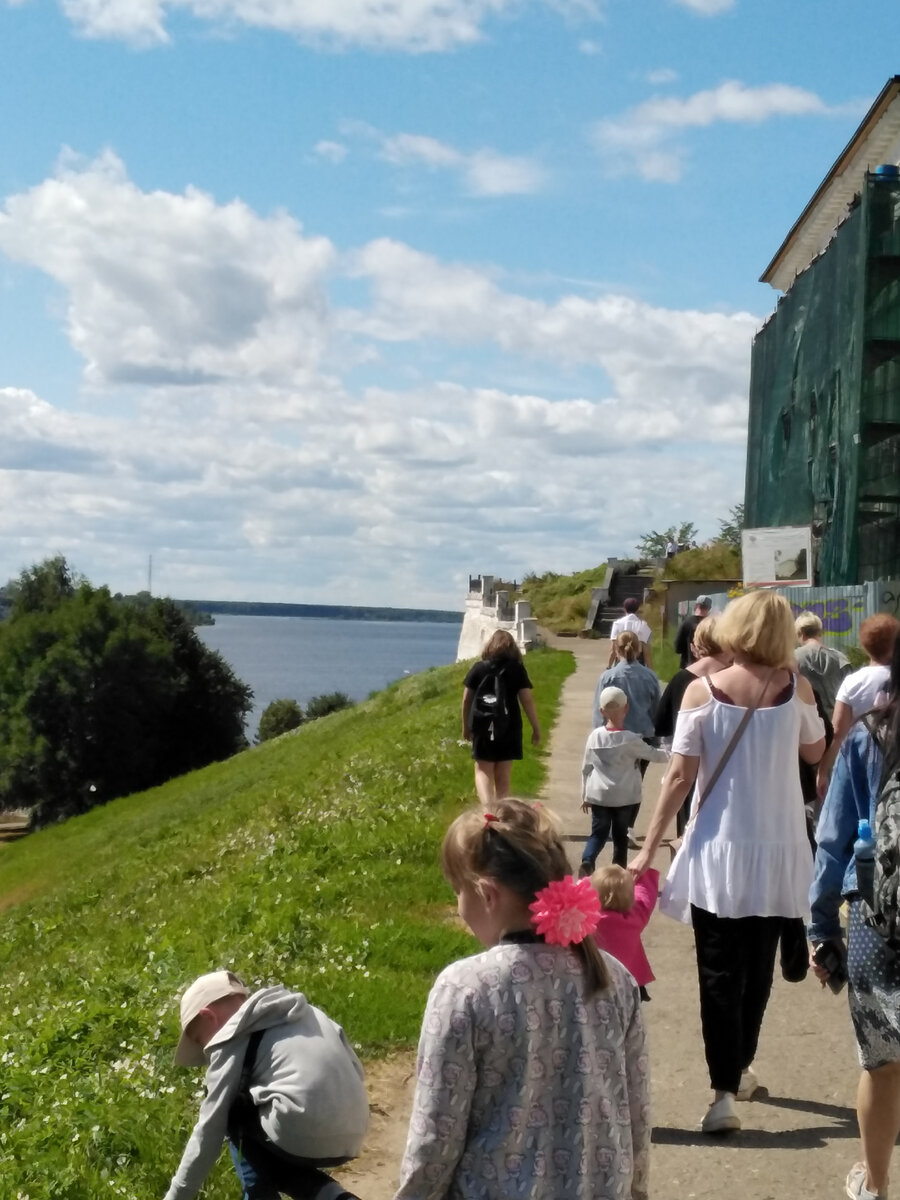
(835,613)
(889,598)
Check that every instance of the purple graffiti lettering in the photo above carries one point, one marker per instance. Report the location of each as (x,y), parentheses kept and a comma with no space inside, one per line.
(838,619)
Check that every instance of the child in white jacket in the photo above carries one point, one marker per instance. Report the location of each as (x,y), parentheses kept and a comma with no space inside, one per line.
(611,780)
(283,1087)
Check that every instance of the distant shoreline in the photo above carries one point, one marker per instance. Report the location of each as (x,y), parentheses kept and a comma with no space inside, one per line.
(337,612)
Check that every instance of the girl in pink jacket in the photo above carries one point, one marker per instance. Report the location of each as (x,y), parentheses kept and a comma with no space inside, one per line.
(626,906)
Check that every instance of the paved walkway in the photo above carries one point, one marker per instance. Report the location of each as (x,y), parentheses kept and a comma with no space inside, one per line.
(800,1138)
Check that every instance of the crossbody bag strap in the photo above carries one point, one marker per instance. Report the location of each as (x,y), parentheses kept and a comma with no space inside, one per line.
(732,744)
(250,1060)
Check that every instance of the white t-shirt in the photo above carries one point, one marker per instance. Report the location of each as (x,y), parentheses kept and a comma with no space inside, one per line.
(747,850)
(860,690)
(631,623)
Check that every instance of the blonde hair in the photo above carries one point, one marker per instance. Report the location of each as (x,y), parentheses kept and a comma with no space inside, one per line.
(705,639)
(759,626)
(521,850)
(628,645)
(808,625)
(615,887)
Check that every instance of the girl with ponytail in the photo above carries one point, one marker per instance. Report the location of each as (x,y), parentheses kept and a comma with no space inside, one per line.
(532,1067)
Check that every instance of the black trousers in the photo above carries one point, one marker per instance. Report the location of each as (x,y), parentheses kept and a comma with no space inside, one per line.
(735,965)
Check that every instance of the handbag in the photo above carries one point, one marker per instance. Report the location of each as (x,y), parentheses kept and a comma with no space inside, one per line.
(675,900)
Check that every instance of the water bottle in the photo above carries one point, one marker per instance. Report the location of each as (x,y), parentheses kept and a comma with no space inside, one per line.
(864,854)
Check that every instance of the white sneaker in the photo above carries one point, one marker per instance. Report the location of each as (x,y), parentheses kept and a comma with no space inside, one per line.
(748,1086)
(856,1185)
(722,1116)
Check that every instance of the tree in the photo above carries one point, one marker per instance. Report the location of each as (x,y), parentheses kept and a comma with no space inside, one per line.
(321,706)
(281,716)
(653,544)
(100,698)
(42,587)
(731,528)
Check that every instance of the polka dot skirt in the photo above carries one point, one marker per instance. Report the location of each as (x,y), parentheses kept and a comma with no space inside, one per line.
(874,974)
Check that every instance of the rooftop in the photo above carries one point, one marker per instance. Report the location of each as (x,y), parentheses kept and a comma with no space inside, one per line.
(876,141)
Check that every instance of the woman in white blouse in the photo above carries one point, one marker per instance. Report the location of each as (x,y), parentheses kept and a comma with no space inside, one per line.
(745,862)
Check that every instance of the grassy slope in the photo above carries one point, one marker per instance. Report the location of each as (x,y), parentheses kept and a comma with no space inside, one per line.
(310,860)
(561,602)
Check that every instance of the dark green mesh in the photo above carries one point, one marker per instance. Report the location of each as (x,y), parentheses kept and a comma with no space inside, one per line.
(824,435)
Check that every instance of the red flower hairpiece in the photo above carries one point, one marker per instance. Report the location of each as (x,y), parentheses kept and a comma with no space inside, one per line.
(566,911)
(488,817)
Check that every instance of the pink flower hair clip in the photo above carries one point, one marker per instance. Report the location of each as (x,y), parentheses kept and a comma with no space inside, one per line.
(566,911)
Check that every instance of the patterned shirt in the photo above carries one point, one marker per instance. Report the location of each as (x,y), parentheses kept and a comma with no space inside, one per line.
(526,1088)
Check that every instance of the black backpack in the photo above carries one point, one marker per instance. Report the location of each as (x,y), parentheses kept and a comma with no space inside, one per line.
(490,704)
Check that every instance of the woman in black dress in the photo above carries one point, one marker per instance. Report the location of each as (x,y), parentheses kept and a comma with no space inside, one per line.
(496,743)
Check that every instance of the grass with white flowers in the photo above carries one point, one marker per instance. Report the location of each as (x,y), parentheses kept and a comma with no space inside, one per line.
(310,860)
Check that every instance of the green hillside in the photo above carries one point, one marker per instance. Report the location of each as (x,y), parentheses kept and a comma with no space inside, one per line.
(310,860)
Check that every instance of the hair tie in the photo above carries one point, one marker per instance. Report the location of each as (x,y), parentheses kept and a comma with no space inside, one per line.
(565,911)
(488,817)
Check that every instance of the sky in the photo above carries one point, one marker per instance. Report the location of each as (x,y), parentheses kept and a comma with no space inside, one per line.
(342,301)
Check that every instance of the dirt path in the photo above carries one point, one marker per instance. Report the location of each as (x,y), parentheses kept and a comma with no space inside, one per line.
(799,1137)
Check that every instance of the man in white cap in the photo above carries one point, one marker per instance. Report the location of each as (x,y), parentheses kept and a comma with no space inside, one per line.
(283,1088)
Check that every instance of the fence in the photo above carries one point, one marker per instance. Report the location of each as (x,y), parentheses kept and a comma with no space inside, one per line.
(840,609)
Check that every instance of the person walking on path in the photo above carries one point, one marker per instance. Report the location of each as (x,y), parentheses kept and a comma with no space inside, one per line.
(632,623)
(532,1076)
(639,683)
(611,781)
(626,906)
(869,757)
(708,659)
(822,665)
(744,864)
(685,633)
(863,690)
(500,677)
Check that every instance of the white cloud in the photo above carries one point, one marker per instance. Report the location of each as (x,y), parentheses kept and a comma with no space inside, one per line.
(589,47)
(641,142)
(484,172)
(172,288)
(216,440)
(707,8)
(662,76)
(679,358)
(407,25)
(333,152)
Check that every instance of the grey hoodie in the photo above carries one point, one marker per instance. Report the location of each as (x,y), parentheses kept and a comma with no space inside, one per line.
(306,1082)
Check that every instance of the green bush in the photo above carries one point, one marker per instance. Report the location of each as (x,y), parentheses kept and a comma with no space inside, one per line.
(281,716)
(329,702)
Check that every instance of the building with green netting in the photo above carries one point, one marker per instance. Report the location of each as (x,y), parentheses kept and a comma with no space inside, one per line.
(824,428)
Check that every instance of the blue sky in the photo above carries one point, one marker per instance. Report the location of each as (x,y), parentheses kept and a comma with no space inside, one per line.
(340,300)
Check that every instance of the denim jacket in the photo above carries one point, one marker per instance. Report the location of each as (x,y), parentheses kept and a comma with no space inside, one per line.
(852,795)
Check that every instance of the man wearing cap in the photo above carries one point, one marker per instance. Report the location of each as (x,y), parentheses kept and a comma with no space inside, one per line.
(283,1087)
(636,625)
(685,634)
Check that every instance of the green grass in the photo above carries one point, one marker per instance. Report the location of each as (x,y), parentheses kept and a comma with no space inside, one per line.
(310,860)
(561,602)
